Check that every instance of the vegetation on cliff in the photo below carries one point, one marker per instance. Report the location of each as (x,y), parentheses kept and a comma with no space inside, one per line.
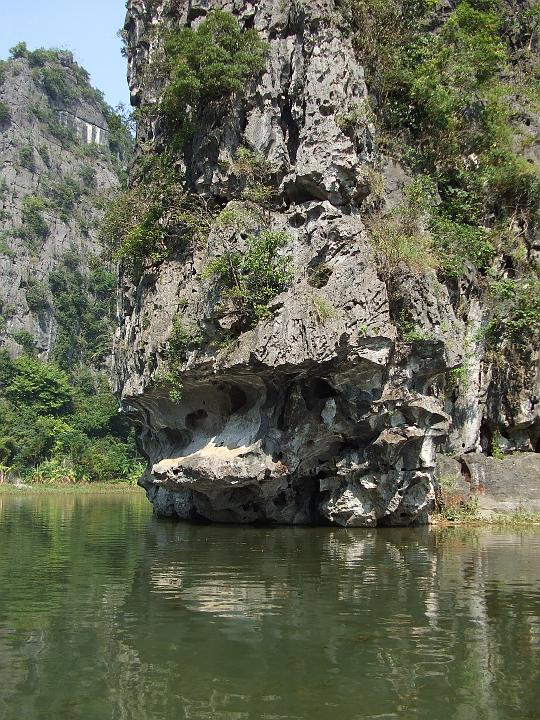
(252,279)
(58,418)
(207,65)
(452,92)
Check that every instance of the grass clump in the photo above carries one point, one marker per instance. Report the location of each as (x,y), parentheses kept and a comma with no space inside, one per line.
(323,309)
(408,330)
(254,172)
(250,280)
(207,65)
(452,506)
(403,235)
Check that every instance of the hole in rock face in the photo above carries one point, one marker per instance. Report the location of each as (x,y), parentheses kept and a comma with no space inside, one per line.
(321,389)
(316,390)
(177,438)
(237,399)
(196,419)
(290,130)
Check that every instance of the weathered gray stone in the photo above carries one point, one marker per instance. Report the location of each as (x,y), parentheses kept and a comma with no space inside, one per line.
(21,265)
(308,417)
(505,485)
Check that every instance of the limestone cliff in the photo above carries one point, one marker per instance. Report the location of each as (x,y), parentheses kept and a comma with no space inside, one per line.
(331,406)
(58,159)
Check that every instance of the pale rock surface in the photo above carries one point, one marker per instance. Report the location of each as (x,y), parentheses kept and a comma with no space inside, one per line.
(304,419)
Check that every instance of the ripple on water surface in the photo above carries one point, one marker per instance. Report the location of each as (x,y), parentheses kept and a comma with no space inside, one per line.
(107,613)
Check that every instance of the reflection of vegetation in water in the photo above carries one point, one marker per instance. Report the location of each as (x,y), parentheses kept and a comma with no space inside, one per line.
(209,621)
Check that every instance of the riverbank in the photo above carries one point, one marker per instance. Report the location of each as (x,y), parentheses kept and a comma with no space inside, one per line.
(82,488)
(510,519)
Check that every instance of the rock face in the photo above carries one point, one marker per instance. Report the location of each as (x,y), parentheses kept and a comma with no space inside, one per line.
(55,163)
(504,485)
(323,412)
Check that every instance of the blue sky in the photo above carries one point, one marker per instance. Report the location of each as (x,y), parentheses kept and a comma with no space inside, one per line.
(88,29)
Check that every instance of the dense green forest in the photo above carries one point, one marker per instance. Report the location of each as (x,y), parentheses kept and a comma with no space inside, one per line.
(59,420)
(56,426)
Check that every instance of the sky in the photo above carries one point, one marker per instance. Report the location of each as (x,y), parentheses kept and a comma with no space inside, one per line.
(89,29)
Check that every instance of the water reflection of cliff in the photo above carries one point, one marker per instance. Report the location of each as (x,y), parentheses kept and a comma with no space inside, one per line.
(142,619)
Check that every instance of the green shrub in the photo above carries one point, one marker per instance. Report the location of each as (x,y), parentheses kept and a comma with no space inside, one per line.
(59,429)
(516,311)
(37,296)
(207,65)
(25,340)
(183,338)
(26,157)
(63,196)
(5,115)
(408,329)
(445,86)
(43,151)
(34,228)
(65,135)
(39,384)
(252,279)
(456,242)
(83,308)
(19,50)
(57,83)
(155,218)
(119,124)
(50,119)
(88,177)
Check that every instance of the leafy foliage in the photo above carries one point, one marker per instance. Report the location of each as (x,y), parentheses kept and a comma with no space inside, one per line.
(42,385)
(182,339)
(155,218)
(63,196)
(34,228)
(207,65)
(56,427)
(83,307)
(25,340)
(517,310)
(37,296)
(26,157)
(252,279)
(5,114)
(446,98)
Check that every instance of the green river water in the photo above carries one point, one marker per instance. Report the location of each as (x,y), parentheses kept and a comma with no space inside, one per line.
(107,613)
